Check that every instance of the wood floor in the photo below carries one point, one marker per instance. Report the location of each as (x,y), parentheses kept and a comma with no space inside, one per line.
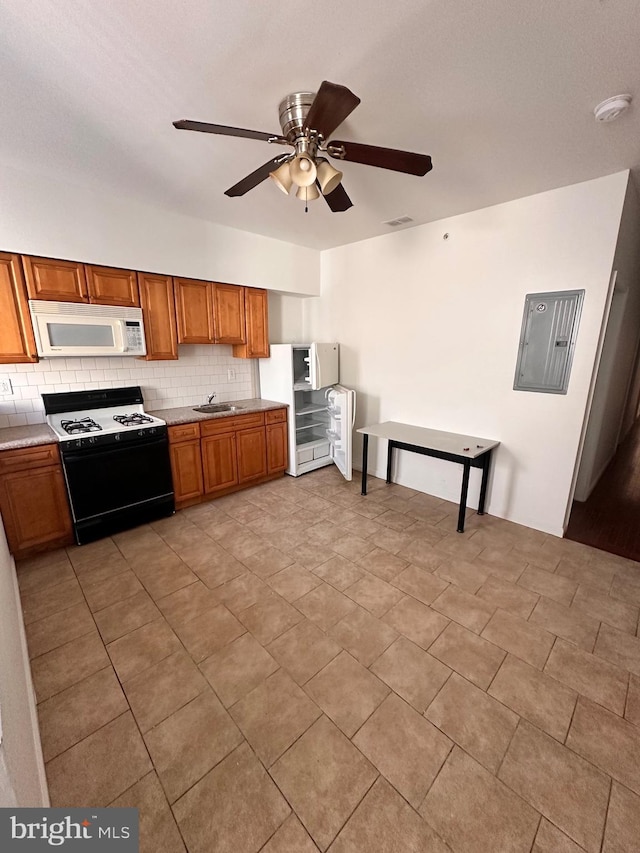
(610,518)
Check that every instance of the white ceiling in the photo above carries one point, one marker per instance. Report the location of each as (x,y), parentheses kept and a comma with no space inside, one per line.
(499,92)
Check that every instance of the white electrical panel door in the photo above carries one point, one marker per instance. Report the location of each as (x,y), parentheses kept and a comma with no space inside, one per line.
(341,406)
(323,365)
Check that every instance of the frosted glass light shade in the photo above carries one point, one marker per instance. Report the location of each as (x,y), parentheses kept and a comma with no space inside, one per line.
(303,170)
(328,177)
(282,178)
(308,193)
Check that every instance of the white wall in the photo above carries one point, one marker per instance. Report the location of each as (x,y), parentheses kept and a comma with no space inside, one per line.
(40,215)
(429,333)
(615,371)
(198,372)
(22,779)
(285,318)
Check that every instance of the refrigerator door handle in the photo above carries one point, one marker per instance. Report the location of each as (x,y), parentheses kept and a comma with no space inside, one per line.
(354,402)
(316,381)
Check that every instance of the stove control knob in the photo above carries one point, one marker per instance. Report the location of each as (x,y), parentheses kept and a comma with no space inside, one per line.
(117,436)
(141,433)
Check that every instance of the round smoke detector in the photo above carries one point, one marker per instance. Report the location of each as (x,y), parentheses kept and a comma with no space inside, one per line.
(612,108)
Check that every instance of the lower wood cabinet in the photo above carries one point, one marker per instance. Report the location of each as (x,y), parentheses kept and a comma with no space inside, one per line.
(219,462)
(277,440)
(277,447)
(222,455)
(33,499)
(252,454)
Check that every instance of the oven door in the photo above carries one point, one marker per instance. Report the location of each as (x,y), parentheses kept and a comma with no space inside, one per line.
(118,487)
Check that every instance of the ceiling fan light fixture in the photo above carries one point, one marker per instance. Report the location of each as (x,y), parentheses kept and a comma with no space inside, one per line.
(303,170)
(282,177)
(328,177)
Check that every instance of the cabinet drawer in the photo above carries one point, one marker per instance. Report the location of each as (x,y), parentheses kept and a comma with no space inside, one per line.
(275,417)
(29,457)
(231,424)
(184,432)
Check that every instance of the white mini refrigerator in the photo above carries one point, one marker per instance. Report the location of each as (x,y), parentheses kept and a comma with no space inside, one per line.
(321,412)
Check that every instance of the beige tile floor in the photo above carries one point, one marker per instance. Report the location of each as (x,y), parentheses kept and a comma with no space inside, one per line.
(297,667)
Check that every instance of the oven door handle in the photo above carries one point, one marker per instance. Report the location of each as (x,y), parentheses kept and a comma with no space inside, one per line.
(95,452)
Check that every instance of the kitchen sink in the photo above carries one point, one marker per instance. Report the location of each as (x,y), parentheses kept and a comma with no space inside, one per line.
(214,409)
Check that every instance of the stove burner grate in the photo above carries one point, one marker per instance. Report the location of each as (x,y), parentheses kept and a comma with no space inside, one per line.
(134,419)
(81,426)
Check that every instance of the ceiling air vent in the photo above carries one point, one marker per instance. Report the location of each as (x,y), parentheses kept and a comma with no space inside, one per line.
(401,220)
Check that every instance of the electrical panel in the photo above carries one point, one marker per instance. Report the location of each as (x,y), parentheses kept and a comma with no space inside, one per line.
(547,341)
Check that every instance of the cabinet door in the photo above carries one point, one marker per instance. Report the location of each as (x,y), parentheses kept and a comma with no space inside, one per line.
(277,447)
(257,325)
(228,313)
(194,311)
(159,315)
(186,469)
(219,462)
(17,344)
(57,281)
(252,454)
(35,508)
(107,286)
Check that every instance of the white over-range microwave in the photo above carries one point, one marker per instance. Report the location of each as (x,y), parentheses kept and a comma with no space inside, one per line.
(71,329)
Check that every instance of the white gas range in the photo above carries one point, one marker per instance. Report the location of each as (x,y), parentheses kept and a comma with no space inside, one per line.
(84,422)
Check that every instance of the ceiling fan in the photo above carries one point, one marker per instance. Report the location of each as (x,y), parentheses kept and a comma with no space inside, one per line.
(307,120)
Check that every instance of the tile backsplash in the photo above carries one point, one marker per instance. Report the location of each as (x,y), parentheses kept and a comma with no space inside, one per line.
(198,372)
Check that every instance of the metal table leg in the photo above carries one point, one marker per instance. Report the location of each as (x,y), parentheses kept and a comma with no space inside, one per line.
(365,449)
(486,462)
(466,467)
(390,446)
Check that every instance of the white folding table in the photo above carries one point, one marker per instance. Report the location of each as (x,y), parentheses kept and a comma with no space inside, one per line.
(468,450)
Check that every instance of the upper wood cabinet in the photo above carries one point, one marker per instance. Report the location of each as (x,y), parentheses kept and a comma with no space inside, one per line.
(194,311)
(17,344)
(228,313)
(57,281)
(159,315)
(70,281)
(108,286)
(257,325)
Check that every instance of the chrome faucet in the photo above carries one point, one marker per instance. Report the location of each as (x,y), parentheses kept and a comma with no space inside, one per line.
(211,397)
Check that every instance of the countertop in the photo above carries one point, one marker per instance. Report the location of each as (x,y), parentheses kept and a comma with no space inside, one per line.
(14,438)
(186,415)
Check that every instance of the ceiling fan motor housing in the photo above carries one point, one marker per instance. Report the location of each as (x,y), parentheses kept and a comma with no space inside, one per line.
(293,111)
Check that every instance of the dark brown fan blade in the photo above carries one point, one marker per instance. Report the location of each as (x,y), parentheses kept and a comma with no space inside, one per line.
(223,130)
(383,158)
(330,107)
(255,178)
(337,199)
